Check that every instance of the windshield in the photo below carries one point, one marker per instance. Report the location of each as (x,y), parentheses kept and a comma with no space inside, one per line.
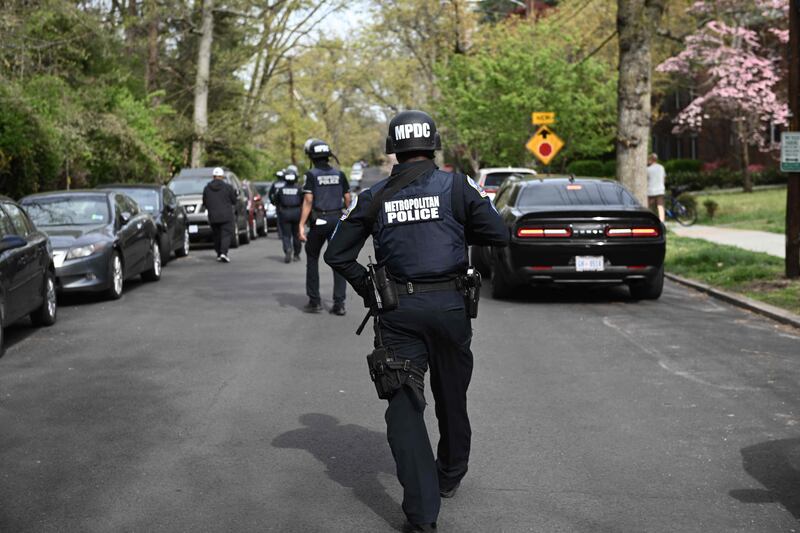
(560,194)
(64,211)
(187,186)
(146,198)
(263,188)
(496,179)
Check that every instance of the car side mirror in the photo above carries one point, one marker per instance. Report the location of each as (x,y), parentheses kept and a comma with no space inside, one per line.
(10,242)
(125,217)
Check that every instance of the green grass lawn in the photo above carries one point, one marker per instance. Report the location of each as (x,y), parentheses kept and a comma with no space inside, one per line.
(759,210)
(757,275)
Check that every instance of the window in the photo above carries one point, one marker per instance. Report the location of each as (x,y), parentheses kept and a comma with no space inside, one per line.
(22,225)
(169,198)
(68,210)
(146,199)
(6,228)
(501,200)
(579,193)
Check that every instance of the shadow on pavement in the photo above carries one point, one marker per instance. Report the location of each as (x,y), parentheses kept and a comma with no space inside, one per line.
(286,299)
(546,294)
(353,456)
(17,332)
(775,465)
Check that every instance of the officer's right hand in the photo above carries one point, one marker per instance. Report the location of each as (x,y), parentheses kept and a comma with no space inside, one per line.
(301,234)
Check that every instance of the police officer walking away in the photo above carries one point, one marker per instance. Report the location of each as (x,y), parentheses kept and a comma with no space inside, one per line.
(220,200)
(421,220)
(280,181)
(326,193)
(288,202)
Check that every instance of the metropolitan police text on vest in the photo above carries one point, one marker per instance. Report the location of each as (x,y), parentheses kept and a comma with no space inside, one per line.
(412,209)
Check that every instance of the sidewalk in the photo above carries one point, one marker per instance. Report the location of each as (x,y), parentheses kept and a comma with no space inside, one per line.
(755,241)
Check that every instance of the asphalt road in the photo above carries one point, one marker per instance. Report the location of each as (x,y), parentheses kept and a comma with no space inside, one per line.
(210,402)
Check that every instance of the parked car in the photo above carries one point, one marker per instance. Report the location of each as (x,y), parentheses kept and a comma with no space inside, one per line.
(490,179)
(356,175)
(170,217)
(99,238)
(567,230)
(188,187)
(256,211)
(27,274)
(262,187)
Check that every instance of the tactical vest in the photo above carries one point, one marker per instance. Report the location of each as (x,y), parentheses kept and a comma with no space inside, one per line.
(328,192)
(416,234)
(290,195)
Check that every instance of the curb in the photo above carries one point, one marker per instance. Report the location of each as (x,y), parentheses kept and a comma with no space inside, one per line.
(770,311)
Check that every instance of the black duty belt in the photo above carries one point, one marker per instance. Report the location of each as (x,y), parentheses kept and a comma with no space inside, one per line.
(419,287)
(319,213)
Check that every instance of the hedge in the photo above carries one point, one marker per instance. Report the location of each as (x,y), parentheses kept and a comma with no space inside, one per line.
(586,167)
(682,165)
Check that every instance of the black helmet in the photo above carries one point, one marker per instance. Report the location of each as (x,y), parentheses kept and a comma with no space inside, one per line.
(289,174)
(280,174)
(412,131)
(316,149)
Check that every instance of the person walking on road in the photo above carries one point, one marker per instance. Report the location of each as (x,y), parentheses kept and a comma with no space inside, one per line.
(656,176)
(219,198)
(288,202)
(280,181)
(421,220)
(326,192)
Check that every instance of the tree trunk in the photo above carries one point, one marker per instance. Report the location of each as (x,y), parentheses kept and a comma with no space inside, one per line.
(636,22)
(792,264)
(201,84)
(744,158)
(151,66)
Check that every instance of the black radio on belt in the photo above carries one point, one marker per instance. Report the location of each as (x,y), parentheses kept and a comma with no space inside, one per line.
(386,287)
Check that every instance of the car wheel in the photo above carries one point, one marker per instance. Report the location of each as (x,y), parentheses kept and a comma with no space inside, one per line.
(253,230)
(245,236)
(478,255)
(183,251)
(235,238)
(649,289)
(154,274)
(501,287)
(166,246)
(46,314)
(264,229)
(115,277)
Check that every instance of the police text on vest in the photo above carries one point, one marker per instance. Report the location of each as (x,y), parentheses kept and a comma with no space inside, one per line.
(328,180)
(412,209)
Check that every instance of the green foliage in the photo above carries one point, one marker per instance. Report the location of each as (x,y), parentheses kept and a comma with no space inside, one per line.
(487,96)
(587,167)
(711,207)
(682,165)
(610,169)
(688,200)
(760,210)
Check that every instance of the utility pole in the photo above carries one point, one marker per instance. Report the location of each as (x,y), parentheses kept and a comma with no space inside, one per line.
(793,179)
(292,142)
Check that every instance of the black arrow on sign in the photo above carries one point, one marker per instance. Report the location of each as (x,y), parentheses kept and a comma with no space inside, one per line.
(544,134)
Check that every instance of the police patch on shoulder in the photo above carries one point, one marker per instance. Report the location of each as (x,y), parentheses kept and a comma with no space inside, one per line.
(408,210)
(476,187)
(350,209)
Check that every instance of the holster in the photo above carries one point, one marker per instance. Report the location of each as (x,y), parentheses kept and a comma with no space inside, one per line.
(470,286)
(387,289)
(389,375)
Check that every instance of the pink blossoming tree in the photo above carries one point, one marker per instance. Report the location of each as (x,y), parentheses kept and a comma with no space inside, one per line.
(734,64)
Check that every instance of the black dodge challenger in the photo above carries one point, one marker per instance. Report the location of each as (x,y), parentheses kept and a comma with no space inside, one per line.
(568,230)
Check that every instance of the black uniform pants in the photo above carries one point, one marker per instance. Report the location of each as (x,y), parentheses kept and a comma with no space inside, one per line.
(316,238)
(433,331)
(222,233)
(288,234)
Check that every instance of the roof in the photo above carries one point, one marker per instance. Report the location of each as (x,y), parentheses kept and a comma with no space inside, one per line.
(562,178)
(521,170)
(203,172)
(129,186)
(73,192)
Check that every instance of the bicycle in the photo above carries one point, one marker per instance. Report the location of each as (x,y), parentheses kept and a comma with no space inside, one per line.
(685,215)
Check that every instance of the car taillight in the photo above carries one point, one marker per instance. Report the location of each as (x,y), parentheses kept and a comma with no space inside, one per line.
(528,233)
(257,197)
(490,189)
(633,232)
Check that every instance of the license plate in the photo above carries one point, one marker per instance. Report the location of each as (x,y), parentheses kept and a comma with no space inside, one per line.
(193,228)
(589,263)
(58,258)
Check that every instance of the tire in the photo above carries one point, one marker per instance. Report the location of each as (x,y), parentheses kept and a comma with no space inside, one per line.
(253,230)
(235,239)
(2,328)
(685,215)
(649,289)
(47,312)
(154,274)
(116,277)
(166,247)
(245,236)
(263,230)
(502,288)
(478,255)
(183,251)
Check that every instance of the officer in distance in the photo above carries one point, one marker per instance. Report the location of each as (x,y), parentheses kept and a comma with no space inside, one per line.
(423,294)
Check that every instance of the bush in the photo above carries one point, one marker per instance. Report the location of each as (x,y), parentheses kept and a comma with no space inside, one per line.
(711,207)
(586,167)
(682,165)
(610,169)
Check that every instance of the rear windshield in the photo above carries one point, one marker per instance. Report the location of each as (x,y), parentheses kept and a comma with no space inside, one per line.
(188,186)
(263,188)
(496,179)
(68,211)
(559,194)
(146,198)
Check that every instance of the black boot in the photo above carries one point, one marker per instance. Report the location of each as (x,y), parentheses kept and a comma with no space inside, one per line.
(338,309)
(312,307)
(287,258)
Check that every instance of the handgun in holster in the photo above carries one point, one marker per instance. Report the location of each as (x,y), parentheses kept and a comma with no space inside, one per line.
(470,286)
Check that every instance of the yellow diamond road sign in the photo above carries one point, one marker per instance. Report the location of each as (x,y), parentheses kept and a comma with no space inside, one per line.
(543,119)
(545,145)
